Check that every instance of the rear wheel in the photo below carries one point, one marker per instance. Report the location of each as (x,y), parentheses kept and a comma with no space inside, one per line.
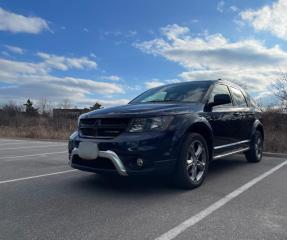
(193,162)
(254,154)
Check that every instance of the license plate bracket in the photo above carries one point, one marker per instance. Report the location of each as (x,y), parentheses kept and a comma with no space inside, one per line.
(88,150)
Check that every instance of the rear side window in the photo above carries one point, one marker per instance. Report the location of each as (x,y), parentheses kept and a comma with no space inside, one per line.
(219,89)
(238,97)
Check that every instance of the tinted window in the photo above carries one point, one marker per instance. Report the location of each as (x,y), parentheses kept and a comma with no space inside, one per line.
(185,92)
(238,97)
(219,89)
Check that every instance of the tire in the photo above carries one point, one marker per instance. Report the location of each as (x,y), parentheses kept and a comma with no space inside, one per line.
(193,162)
(256,148)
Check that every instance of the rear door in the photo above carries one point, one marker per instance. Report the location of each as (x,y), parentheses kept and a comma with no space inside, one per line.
(243,113)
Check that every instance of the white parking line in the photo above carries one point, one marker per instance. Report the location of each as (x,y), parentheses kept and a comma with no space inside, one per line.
(9,158)
(44,146)
(10,140)
(20,141)
(13,142)
(25,143)
(38,176)
(174,232)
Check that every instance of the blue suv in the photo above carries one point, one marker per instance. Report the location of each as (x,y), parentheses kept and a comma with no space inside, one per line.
(177,129)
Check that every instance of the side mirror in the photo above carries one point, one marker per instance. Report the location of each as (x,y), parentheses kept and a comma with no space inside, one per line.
(220,99)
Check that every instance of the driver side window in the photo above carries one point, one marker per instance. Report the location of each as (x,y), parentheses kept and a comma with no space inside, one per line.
(220,89)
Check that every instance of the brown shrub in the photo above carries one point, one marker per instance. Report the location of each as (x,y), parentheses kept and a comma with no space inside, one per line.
(24,126)
(18,124)
(275,128)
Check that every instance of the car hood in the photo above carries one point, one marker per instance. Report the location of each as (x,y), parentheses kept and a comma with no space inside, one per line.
(145,109)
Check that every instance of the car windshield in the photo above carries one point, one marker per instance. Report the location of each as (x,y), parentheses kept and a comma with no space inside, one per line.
(185,92)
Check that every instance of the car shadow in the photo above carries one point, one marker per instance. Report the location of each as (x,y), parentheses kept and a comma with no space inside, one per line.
(140,185)
(226,164)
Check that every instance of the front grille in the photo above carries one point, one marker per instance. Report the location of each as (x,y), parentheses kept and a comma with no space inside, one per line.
(102,127)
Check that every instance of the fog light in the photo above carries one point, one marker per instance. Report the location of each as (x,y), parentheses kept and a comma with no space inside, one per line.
(140,162)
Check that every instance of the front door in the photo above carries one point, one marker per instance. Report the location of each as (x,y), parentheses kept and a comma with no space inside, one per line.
(223,119)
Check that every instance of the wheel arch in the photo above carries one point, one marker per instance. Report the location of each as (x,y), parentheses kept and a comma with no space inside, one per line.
(203,128)
(257,126)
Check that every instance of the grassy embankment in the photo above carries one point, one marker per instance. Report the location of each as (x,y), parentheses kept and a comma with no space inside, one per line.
(20,125)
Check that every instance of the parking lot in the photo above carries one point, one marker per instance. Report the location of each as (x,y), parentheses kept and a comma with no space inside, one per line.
(41,197)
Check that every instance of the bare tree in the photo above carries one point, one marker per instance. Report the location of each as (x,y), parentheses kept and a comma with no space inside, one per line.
(11,108)
(259,104)
(65,104)
(280,88)
(43,105)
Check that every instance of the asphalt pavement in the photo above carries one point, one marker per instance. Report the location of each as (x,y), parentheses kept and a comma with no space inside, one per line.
(41,197)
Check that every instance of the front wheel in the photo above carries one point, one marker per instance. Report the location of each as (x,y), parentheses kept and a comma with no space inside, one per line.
(254,154)
(193,162)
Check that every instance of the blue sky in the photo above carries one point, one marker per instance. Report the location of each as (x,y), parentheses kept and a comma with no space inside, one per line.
(110,51)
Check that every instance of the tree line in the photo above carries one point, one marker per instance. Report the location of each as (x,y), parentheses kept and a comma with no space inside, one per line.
(42,107)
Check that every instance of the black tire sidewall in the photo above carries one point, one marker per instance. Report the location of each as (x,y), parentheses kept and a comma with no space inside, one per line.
(251,155)
(181,176)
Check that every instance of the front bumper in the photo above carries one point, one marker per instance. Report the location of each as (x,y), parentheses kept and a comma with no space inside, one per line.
(108,155)
(119,155)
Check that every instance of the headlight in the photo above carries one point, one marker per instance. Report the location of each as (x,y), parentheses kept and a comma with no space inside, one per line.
(150,124)
(78,124)
(79,119)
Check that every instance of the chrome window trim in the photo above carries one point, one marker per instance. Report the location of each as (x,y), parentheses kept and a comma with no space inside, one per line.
(231,144)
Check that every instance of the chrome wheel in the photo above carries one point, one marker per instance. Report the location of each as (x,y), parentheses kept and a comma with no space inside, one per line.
(196,160)
(259,146)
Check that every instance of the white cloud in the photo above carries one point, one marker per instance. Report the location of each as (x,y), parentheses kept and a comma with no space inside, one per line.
(271,18)
(35,80)
(64,63)
(234,8)
(10,67)
(5,53)
(157,82)
(118,34)
(16,23)
(15,49)
(153,84)
(214,56)
(256,81)
(220,6)
(85,86)
(93,55)
(174,31)
(131,33)
(175,80)
(111,78)
(214,51)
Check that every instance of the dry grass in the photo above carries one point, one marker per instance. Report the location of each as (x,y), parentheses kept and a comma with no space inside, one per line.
(34,132)
(275,128)
(20,125)
(36,127)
